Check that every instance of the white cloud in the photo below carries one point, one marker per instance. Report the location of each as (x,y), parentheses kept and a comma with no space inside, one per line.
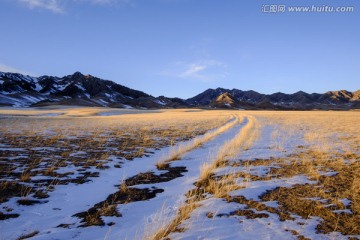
(204,70)
(193,70)
(5,68)
(57,6)
(51,5)
(108,2)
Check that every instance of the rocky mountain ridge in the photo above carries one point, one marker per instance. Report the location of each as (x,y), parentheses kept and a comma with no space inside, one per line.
(19,90)
(300,100)
(77,89)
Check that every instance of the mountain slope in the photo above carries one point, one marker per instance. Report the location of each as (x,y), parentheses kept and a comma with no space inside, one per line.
(300,100)
(226,100)
(85,90)
(76,89)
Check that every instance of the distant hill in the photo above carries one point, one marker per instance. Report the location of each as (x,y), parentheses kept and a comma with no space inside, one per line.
(19,90)
(235,98)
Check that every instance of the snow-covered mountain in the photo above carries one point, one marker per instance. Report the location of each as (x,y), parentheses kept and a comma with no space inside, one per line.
(77,89)
(85,90)
(253,100)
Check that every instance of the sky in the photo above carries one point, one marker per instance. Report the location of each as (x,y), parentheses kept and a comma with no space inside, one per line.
(179,48)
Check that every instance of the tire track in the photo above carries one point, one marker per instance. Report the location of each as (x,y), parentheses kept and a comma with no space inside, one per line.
(229,149)
(128,194)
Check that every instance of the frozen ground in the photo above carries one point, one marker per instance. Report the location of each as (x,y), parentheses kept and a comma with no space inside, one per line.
(256,166)
(68,200)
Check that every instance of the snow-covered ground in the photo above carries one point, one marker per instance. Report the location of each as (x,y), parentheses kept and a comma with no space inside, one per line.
(241,214)
(70,199)
(220,218)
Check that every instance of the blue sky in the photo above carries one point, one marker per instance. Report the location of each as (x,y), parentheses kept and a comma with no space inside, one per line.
(182,47)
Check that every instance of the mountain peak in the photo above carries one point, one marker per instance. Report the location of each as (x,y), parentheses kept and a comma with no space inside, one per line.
(300,92)
(77,74)
(225,98)
(75,89)
(79,89)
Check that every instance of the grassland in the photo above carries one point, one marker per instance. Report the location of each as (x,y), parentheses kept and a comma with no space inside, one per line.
(178,174)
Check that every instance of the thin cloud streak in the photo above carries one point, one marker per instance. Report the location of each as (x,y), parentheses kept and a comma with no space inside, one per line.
(57,6)
(193,70)
(51,5)
(109,2)
(203,70)
(6,68)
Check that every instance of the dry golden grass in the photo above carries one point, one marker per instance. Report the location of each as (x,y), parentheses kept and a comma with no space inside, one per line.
(183,213)
(206,184)
(324,198)
(326,131)
(231,148)
(330,144)
(80,137)
(176,152)
(329,155)
(28,235)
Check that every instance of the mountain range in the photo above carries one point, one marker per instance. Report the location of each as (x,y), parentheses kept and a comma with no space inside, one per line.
(20,90)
